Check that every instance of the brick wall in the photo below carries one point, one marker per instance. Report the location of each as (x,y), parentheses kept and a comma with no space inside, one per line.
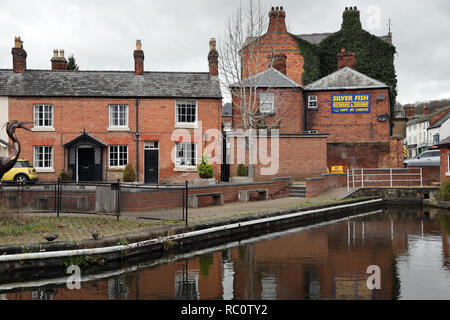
(288,104)
(300,157)
(72,116)
(350,127)
(359,155)
(445,152)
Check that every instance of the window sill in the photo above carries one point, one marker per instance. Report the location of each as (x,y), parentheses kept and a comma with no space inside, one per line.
(185,169)
(186,125)
(118,129)
(45,170)
(43,129)
(312,109)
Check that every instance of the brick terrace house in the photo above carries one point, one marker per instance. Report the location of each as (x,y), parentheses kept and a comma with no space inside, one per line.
(96,122)
(358,131)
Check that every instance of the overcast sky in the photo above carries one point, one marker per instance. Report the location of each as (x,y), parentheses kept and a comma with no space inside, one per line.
(175,34)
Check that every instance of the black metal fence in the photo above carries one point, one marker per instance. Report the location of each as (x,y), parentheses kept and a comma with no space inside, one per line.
(160,202)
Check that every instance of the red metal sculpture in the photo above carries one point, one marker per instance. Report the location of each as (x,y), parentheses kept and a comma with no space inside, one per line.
(6,163)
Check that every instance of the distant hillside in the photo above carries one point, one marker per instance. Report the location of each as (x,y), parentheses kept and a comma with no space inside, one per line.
(432,105)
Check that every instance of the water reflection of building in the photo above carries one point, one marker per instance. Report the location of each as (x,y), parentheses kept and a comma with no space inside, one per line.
(327,262)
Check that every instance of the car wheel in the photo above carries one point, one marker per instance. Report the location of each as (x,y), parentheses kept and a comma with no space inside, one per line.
(21,178)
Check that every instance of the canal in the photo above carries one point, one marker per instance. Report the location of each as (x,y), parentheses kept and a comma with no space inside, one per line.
(325,261)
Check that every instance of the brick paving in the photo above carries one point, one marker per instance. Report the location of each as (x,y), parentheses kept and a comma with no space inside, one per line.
(76,227)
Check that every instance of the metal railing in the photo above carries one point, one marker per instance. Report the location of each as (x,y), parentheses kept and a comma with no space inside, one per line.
(59,196)
(364,177)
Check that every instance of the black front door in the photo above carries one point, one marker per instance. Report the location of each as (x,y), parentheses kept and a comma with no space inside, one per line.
(151,166)
(86,168)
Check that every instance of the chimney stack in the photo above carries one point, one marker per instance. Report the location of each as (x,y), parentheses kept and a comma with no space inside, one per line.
(278,61)
(19,56)
(346,59)
(426,110)
(213,58)
(409,112)
(277,20)
(59,62)
(138,59)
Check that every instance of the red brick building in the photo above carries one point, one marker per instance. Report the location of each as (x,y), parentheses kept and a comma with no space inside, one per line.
(95,122)
(349,110)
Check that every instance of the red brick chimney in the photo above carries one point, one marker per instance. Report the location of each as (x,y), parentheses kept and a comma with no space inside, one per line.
(346,59)
(19,56)
(59,62)
(278,61)
(213,58)
(426,110)
(277,20)
(138,59)
(409,112)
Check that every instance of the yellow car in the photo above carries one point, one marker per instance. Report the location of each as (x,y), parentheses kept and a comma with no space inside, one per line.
(22,172)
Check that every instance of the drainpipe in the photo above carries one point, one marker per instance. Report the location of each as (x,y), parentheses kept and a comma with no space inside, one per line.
(137,140)
(305,107)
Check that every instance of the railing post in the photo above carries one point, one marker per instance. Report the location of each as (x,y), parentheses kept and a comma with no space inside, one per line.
(348,180)
(187,205)
(59,198)
(353,178)
(118,200)
(390,175)
(362,178)
(421,180)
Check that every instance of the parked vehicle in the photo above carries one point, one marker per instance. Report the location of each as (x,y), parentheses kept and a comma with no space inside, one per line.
(22,172)
(428,158)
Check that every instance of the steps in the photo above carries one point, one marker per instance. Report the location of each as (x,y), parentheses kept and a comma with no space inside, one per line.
(297,189)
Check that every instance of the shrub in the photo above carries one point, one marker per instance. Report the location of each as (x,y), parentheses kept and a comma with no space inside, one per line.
(65,175)
(445,191)
(129,175)
(205,170)
(242,171)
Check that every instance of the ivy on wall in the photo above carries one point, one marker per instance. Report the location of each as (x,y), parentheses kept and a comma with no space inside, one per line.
(374,56)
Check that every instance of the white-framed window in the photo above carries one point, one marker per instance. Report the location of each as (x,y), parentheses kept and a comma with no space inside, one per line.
(186,154)
(448,163)
(43,157)
(185,112)
(43,116)
(312,102)
(266,102)
(118,156)
(118,116)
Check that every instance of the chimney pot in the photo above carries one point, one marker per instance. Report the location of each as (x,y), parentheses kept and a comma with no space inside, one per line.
(277,23)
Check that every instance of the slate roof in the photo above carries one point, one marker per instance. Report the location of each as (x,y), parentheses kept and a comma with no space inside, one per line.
(227,110)
(47,83)
(345,79)
(270,78)
(440,121)
(428,116)
(316,38)
(446,141)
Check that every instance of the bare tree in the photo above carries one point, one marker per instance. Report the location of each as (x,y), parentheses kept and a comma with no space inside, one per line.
(244,52)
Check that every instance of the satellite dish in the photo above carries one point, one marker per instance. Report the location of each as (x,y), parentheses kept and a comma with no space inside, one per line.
(381,97)
(382,118)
